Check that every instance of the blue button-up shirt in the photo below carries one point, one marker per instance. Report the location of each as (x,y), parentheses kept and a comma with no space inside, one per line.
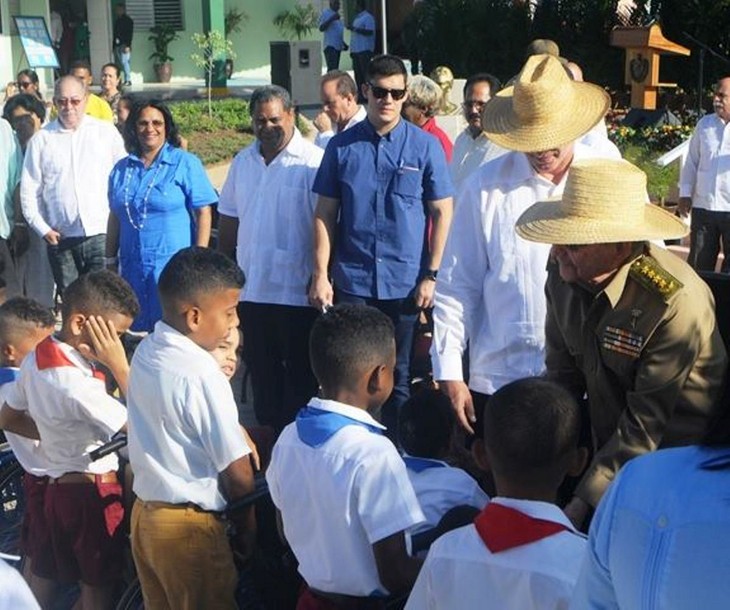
(383,185)
(660,536)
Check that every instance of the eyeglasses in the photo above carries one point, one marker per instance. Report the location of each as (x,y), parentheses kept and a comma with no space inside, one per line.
(68,101)
(379,93)
(478,104)
(24,84)
(157,123)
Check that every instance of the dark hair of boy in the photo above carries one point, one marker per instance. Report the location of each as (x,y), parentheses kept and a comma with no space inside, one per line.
(20,313)
(196,271)
(425,424)
(386,65)
(531,433)
(99,292)
(348,341)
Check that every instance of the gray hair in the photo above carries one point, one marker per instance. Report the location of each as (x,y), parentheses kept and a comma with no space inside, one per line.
(266,94)
(424,93)
(71,79)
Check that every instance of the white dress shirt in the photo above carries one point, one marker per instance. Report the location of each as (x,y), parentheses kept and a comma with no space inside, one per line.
(27,451)
(442,488)
(183,421)
(323,138)
(66,177)
(469,154)
(490,289)
(461,572)
(706,171)
(70,406)
(340,498)
(274,205)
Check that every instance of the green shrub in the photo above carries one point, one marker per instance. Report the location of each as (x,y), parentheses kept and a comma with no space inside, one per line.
(228,114)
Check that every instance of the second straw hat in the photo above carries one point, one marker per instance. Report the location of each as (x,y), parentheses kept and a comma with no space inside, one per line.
(604,201)
(544,109)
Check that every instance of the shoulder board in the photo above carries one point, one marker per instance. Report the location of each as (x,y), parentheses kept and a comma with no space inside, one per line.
(652,276)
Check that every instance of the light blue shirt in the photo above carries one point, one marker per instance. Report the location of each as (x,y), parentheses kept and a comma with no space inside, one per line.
(360,42)
(661,536)
(333,35)
(11,164)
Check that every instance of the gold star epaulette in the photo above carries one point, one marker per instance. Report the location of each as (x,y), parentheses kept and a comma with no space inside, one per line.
(647,271)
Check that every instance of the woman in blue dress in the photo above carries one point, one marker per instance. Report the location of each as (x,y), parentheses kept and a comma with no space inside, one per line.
(160,201)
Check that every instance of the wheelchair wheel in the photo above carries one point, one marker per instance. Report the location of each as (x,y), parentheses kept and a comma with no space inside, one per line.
(132,597)
(12,506)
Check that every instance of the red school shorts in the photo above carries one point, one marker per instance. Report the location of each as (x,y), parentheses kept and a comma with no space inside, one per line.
(87,540)
(35,537)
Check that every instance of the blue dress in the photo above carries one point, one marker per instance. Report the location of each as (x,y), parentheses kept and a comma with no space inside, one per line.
(155,207)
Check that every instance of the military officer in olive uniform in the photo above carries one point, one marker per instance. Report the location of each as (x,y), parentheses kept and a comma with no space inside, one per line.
(628,323)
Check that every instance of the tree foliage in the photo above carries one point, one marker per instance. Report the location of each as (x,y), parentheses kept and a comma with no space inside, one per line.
(491,35)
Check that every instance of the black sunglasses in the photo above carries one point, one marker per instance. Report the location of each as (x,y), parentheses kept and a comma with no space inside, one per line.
(380,92)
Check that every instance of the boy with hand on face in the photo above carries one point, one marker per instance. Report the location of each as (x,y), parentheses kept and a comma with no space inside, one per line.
(185,446)
(61,398)
(340,485)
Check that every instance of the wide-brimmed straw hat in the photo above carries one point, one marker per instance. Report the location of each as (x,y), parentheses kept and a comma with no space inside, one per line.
(604,201)
(544,109)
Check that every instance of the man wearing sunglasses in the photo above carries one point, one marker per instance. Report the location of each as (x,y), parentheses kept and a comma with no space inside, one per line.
(63,187)
(378,183)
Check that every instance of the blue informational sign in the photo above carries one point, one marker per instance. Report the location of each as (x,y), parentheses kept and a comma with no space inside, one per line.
(36,42)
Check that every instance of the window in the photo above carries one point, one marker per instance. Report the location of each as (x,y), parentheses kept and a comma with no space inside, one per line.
(147,14)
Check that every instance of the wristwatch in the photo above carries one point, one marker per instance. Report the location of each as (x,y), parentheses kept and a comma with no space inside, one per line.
(430,274)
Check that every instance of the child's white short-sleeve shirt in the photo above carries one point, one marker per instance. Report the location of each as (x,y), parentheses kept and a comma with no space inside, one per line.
(338,499)
(183,421)
(442,488)
(27,451)
(69,403)
(461,572)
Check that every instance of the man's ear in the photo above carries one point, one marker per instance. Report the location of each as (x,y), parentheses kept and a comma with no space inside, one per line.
(578,462)
(364,90)
(479,453)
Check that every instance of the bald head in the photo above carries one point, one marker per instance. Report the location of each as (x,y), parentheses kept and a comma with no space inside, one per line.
(70,96)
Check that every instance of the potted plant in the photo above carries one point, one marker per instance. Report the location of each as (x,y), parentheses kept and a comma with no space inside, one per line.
(161,36)
(234,21)
(299,21)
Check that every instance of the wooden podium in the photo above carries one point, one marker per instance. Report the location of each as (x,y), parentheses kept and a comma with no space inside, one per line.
(644,46)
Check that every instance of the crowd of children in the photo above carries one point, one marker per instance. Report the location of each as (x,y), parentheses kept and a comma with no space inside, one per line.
(358,513)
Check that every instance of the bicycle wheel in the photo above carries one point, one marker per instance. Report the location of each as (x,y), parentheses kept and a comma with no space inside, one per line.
(12,507)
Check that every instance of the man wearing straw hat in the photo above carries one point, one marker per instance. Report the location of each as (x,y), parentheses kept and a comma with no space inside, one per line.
(489,291)
(628,323)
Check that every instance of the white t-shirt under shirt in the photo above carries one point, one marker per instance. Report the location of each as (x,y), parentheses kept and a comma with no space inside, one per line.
(183,421)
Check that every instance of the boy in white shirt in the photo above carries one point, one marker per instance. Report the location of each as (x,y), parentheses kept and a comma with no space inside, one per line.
(522,552)
(342,489)
(61,398)
(186,448)
(24,323)
(425,427)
